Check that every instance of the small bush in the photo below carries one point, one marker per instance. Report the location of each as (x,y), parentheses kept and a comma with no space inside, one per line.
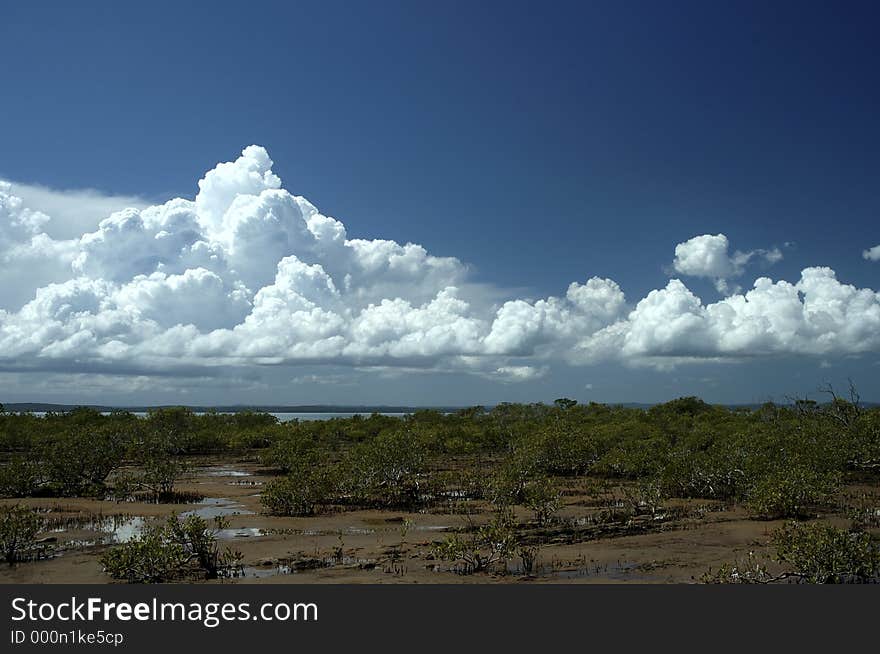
(508,485)
(480,549)
(289,451)
(79,460)
(20,478)
(542,498)
(790,492)
(301,492)
(823,554)
(176,549)
(19,527)
(528,554)
(149,558)
(645,498)
(389,470)
(813,553)
(157,452)
(721,472)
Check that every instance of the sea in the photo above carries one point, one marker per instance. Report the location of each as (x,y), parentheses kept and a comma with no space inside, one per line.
(282,417)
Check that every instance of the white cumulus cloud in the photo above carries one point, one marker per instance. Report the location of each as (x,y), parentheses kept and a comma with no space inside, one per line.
(247,274)
(872,254)
(72,212)
(816,316)
(520,373)
(708,256)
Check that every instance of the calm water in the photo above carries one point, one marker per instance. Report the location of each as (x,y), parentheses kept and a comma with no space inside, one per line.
(284,417)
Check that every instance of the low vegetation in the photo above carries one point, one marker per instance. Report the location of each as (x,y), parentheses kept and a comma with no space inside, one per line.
(773,462)
(480,548)
(813,553)
(178,549)
(19,527)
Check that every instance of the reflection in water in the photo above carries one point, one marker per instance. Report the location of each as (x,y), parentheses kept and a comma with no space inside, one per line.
(116,528)
(126,530)
(240,532)
(619,571)
(214,507)
(259,573)
(224,471)
(123,528)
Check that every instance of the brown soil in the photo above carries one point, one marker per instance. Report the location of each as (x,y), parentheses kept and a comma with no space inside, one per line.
(678,545)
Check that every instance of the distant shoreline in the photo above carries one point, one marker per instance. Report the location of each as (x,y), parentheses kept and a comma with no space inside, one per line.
(42,407)
(20,407)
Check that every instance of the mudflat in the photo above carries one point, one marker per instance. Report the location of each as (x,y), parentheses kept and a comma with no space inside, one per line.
(585,542)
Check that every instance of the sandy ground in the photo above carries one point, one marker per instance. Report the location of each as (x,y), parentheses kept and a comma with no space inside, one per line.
(377,548)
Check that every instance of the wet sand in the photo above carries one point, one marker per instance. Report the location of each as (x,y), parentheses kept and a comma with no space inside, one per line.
(374,546)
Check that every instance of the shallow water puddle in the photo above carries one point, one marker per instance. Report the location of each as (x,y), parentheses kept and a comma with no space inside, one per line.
(224,471)
(260,573)
(125,530)
(357,531)
(215,507)
(240,532)
(118,529)
(366,531)
(621,571)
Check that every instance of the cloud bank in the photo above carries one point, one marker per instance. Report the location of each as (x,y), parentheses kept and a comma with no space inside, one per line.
(73,212)
(248,274)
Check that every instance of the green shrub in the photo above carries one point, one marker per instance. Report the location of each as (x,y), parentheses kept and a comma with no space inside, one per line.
(79,460)
(301,492)
(19,527)
(721,472)
(158,454)
(480,549)
(633,457)
(177,549)
(508,485)
(389,470)
(146,559)
(542,498)
(823,554)
(177,425)
(565,448)
(790,492)
(194,535)
(864,442)
(289,449)
(461,483)
(20,477)
(812,553)
(645,498)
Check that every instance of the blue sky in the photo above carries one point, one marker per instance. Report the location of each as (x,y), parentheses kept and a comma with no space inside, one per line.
(538,145)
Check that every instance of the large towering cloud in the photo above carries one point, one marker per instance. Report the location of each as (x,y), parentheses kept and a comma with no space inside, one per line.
(247,274)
